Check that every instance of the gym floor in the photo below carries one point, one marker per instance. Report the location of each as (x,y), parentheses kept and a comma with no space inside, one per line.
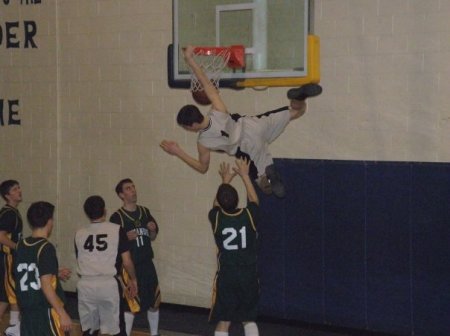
(176,320)
(76,331)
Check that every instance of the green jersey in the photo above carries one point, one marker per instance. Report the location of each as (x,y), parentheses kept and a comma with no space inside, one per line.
(35,257)
(141,250)
(11,222)
(235,235)
(142,255)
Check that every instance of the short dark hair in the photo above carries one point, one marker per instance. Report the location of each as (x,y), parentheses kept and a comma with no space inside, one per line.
(227,197)
(188,115)
(119,186)
(6,186)
(39,213)
(94,207)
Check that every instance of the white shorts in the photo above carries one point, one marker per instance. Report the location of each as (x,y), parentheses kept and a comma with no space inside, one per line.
(258,133)
(99,304)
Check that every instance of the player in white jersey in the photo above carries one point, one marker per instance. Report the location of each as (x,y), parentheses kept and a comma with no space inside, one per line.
(241,136)
(101,248)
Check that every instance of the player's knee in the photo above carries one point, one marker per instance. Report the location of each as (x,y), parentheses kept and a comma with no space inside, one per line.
(223,326)
(250,329)
(298,108)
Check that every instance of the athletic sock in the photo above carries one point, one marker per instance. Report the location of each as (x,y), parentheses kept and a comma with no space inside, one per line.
(14,317)
(251,329)
(220,333)
(153,321)
(129,319)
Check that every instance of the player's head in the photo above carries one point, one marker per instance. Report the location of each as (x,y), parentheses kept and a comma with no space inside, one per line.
(227,197)
(120,185)
(188,115)
(126,190)
(9,187)
(94,207)
(39,213)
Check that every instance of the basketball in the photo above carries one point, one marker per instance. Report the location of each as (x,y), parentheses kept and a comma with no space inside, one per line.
(201,98)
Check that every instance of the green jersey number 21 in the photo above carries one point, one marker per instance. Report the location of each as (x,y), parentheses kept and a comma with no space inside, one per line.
(231,242)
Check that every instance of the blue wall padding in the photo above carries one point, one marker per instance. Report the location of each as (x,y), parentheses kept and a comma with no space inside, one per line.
(359,244)
(388,247)
(343,215)
(273,235)
(431,249)
(301,240)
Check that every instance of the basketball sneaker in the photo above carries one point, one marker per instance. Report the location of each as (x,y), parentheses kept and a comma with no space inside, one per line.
(275,181)
(304,91)
(13,330)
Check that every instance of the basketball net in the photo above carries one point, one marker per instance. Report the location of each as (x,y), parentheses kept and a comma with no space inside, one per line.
(212,64)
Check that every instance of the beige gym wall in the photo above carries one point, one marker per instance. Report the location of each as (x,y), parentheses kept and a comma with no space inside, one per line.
(93,104)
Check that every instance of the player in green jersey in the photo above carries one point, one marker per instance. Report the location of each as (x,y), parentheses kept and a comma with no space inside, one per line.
(236,285)
(10,233)
(39,292)
(141,229)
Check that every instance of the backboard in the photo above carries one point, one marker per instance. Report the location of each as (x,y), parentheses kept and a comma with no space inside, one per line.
(279,49)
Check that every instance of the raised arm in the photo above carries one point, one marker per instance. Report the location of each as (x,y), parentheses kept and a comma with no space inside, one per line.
(242,168)
(210,89)
(201,164)
(227,176)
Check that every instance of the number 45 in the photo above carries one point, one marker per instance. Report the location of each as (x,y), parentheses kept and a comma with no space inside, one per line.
(100,243)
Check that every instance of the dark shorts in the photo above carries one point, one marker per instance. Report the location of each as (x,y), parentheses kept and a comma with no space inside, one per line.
(148,287)
(7,283)
(235,294)
(40,322)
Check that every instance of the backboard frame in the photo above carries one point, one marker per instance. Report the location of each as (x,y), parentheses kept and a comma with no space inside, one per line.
(308,73)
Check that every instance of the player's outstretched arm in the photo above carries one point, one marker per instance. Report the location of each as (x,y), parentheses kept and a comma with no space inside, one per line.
(225,173)
(242,168)
(227,176)
(201,164)
(210,89)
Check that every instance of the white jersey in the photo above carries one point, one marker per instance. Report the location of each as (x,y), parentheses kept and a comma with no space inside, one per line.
(250,134)
(222,134)
(97,246)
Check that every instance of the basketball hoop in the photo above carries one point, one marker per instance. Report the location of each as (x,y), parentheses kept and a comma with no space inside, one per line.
(212,60)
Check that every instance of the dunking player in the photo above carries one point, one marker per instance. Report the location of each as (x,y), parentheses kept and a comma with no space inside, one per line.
(141,229)
(241,136)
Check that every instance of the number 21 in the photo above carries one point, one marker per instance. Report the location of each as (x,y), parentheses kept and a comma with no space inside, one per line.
(232,234)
